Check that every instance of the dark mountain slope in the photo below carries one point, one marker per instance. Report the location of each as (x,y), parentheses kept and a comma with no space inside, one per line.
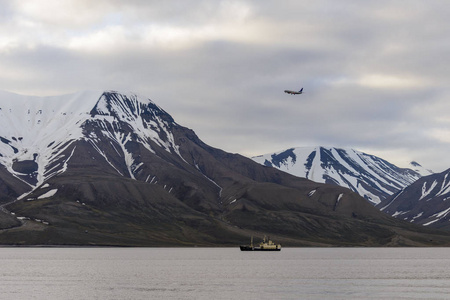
(424,202)
(10,187)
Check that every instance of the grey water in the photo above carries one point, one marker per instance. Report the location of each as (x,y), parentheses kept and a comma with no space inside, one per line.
(224,273)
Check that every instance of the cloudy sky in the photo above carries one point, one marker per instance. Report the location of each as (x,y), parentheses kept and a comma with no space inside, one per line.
(375,74)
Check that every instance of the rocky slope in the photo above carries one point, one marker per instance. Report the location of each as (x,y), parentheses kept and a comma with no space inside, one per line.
(425,202)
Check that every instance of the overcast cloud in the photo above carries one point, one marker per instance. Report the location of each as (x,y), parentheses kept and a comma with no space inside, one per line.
(375,74)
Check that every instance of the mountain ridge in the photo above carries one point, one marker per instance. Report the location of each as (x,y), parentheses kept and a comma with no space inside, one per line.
(372,177)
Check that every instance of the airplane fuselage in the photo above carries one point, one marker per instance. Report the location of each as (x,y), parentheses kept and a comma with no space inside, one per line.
(294,92)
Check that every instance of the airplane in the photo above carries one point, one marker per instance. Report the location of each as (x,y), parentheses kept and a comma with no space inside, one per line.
(294,92)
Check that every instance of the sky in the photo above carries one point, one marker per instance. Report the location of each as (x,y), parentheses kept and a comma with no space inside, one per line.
(375,73)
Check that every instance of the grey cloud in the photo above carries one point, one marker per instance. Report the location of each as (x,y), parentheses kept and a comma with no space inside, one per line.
(230,91)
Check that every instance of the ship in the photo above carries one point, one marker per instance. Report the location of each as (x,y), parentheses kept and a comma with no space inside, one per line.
(265,245)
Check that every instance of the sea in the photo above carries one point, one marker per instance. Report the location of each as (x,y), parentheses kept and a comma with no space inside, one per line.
(224,273)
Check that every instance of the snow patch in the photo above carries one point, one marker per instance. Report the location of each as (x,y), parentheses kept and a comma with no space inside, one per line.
(311,193)
(442,214)
(431,222)
(426,191)
(399,213)
(445,188)
(49,194)
(416,216)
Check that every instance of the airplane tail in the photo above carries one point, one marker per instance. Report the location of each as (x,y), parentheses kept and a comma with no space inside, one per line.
(301,91)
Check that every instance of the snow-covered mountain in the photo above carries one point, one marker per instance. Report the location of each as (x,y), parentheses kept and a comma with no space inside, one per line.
(425,202)
(372,177)
(37,132)
(110,168)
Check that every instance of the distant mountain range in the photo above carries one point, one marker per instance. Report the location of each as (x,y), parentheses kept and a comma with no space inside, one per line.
(110,168)
(414,194)
(373,178)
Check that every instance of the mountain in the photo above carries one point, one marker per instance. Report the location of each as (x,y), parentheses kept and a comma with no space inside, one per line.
(416,167)
(425,202)
(373,178)
(110,168)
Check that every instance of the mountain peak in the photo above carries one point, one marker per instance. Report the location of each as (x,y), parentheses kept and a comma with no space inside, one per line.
(419,169)
(415,164)
(39,131)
